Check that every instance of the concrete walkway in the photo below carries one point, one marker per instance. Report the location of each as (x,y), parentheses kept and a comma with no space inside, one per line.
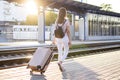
(105,66)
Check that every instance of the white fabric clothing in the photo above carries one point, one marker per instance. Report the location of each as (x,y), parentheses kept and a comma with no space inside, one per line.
(63,47)
(62,43)
(67,23)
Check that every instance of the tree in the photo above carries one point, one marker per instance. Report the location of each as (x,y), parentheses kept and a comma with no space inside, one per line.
(106,7)
(31,20)
(50,17)
(69,17)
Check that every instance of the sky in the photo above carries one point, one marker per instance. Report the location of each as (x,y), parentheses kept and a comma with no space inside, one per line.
(115,3)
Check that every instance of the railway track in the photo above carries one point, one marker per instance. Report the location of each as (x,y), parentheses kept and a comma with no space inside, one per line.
(20,57)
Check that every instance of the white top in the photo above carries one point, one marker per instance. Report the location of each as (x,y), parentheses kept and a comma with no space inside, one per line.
(66,24)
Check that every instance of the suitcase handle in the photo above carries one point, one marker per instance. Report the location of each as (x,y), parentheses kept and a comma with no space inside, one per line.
(52,47)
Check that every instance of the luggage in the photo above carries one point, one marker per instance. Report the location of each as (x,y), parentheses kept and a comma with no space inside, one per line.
(40,60)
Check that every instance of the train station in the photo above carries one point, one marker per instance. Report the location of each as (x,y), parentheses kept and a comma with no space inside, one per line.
(93,55)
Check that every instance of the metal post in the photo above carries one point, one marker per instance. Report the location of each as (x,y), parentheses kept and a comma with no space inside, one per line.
(81,29)
(73,27)
(86,36)
(41,25)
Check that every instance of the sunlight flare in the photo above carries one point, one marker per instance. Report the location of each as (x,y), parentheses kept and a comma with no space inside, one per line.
(31,7)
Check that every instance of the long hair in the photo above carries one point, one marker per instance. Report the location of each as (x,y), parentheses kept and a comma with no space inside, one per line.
(61,16)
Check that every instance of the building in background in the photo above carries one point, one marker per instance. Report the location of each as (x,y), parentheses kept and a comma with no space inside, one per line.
(10,13)
(91,23)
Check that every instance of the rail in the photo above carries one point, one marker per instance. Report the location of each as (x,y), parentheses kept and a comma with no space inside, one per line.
(20,57)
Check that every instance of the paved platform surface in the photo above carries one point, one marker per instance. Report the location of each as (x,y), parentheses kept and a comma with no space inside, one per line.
(105,66)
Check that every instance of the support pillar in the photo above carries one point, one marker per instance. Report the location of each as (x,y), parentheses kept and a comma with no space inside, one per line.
(73,27)
(81,29)
(41,25)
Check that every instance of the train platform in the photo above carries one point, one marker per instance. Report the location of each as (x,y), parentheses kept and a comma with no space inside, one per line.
(105,66)
(34,44)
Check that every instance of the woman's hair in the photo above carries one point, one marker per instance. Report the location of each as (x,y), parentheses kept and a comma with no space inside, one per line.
(62,14)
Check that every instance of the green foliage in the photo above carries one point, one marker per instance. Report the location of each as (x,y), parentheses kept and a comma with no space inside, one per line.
(78,46)
(50,17)
(69,17)
(31,20)
(106,7)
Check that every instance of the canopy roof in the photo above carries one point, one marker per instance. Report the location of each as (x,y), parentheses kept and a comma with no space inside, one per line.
(71,5)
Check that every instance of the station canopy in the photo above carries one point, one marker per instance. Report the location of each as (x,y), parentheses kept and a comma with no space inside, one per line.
(71,5)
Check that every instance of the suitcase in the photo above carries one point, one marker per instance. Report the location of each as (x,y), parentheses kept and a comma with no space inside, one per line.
(40,60)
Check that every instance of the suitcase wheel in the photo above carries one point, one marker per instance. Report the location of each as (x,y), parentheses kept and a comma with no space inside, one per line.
(41,73)
(31,72)
(27,66)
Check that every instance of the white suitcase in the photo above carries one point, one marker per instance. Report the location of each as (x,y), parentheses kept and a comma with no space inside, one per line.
(40,60)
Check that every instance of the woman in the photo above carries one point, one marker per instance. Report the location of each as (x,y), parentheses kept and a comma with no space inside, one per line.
(62,43)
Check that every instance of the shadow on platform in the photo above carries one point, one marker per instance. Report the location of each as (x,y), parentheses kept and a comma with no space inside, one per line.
(73,71)
(38,77)
(76,71)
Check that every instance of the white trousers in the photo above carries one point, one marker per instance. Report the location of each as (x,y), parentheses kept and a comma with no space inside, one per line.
(63,47)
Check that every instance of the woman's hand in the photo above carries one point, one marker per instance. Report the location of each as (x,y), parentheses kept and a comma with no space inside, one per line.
(54,41)
(70,44)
